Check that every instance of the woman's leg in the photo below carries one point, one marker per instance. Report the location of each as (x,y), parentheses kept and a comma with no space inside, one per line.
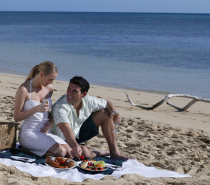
(68,150)
(59,150)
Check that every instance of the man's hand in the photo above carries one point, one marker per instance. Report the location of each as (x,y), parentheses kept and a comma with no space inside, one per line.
(76,152)
(116,117)
(82,157)
(46,127)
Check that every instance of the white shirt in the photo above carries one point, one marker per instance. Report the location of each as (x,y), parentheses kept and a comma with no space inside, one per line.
(62,112)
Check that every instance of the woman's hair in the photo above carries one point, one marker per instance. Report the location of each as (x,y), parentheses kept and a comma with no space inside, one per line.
(46,67)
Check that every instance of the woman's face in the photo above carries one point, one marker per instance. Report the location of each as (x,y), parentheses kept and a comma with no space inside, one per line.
(48,79)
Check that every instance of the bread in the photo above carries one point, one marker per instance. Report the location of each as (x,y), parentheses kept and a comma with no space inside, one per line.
(69,163)
(48,159)
(59,159)
(59,162)
(54,164)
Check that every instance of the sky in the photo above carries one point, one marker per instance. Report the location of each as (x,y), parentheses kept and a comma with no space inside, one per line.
(159,6)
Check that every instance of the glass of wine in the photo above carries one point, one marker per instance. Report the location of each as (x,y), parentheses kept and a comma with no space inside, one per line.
(115,116)
(46,104)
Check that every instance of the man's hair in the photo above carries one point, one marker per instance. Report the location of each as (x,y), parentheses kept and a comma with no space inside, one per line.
(82,82)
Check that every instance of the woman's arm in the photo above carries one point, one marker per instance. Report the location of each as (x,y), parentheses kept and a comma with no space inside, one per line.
(49,123)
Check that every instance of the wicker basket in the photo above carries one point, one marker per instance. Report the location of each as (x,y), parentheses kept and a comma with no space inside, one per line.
(8,134)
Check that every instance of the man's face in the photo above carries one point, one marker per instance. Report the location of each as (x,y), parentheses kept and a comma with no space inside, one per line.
(74,94)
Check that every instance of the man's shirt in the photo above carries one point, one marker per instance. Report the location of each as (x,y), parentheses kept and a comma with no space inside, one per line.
(63,112)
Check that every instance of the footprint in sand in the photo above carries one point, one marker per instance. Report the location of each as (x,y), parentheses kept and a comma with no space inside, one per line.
(129,131)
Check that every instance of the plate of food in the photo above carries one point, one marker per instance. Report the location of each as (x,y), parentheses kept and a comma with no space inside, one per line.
(93,166)
(60,163)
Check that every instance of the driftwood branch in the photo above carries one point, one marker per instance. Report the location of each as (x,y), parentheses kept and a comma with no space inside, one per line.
(194,100)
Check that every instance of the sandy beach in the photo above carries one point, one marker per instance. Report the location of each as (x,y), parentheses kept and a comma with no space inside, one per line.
(163,138)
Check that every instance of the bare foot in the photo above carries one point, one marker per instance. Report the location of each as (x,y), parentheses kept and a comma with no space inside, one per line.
(121,156)
(101,153)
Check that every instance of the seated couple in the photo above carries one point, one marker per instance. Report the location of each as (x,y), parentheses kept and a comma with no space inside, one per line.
(76,117)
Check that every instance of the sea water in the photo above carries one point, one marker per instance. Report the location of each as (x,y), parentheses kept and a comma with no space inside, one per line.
(145,51)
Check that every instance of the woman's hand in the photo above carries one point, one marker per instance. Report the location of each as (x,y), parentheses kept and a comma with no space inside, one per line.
(46,127)
(42,108)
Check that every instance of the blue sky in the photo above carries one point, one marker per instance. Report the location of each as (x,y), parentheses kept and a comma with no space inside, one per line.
(165,6)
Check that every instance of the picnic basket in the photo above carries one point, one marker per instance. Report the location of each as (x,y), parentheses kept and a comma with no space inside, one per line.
(8,134)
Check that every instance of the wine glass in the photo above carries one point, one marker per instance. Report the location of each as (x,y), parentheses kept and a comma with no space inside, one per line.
(115,116)
(45,102)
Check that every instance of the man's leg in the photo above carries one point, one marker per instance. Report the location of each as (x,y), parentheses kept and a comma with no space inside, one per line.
(103,118)
(88,131)
(90,153)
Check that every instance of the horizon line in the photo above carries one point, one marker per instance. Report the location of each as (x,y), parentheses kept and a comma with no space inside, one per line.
(99,12)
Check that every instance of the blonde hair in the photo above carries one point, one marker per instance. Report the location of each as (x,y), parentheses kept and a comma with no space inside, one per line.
(46,67)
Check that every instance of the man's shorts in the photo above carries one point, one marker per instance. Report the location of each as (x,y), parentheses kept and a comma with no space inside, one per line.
(88,130)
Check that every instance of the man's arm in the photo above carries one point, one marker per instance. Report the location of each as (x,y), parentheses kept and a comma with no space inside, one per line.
(70,139)
(110,106)
(112,110)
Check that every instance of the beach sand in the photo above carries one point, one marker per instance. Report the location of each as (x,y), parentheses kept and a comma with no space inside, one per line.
(163,137)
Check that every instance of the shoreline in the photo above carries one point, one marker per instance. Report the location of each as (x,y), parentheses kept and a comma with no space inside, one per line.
(133,87)
(2,71)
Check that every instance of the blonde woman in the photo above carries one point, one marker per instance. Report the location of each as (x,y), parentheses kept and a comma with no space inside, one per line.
(33,134)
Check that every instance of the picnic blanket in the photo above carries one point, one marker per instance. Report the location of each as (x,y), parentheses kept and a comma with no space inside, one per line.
(35,166)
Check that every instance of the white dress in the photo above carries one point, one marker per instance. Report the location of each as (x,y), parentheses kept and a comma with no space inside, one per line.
(30,136)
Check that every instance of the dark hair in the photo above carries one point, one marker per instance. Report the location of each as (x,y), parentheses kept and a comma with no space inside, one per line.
(82,82)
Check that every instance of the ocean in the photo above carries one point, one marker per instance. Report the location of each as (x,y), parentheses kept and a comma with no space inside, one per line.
(143,51)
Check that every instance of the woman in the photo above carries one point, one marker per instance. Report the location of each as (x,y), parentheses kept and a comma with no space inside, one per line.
(29,107)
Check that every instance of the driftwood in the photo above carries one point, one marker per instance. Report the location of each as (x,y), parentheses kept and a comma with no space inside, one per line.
(194,100)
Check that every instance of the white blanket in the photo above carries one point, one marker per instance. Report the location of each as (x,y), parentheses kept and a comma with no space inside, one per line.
(129,167)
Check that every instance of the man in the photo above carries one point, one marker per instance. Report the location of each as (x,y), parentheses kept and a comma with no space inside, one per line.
(77,117)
